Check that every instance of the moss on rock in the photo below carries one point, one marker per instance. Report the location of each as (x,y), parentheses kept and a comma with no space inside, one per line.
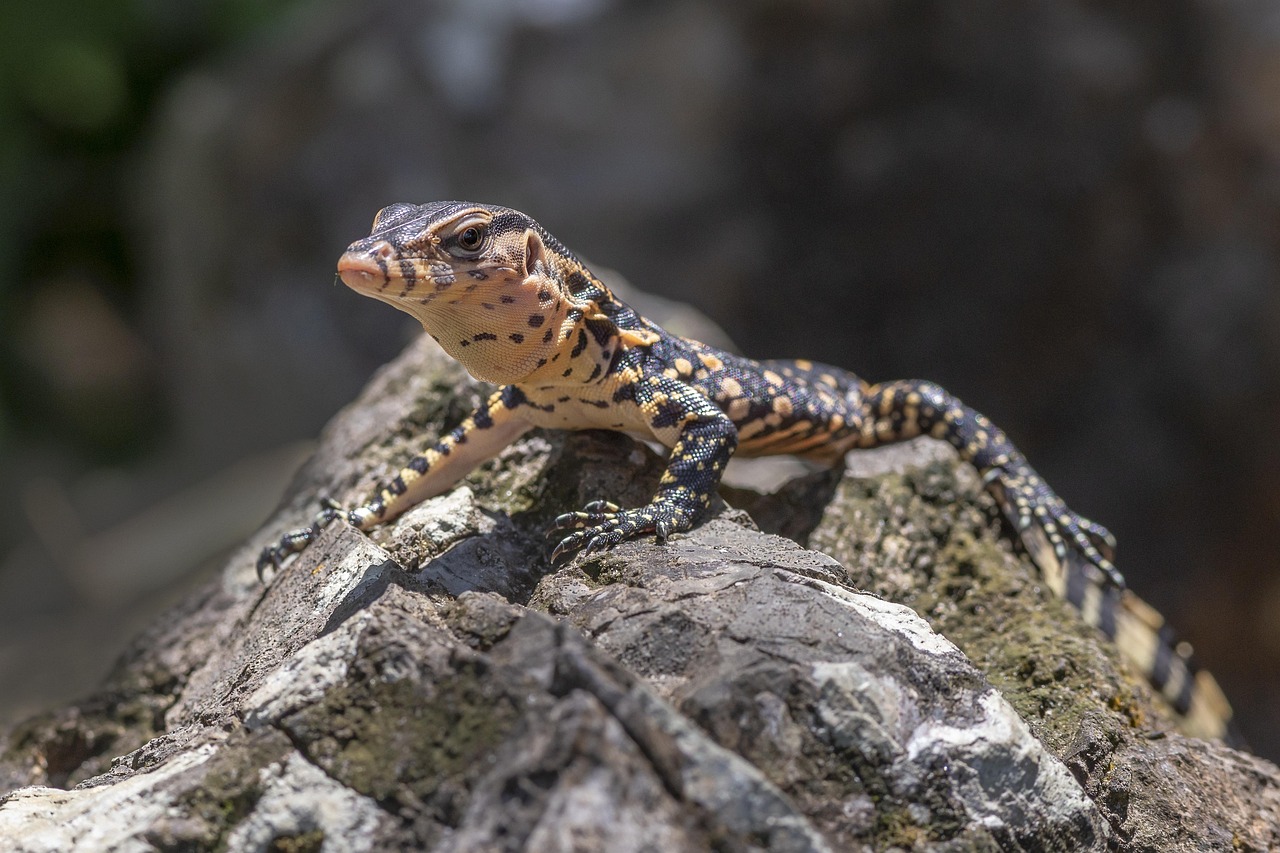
(930,537)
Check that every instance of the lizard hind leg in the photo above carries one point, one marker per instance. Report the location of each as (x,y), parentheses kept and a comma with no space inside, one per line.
(894,411)
(1050,531)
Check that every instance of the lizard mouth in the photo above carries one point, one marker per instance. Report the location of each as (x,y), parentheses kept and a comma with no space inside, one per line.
(361,272)
(377,272)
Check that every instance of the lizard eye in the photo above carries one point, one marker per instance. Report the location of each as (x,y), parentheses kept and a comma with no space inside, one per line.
(470,240)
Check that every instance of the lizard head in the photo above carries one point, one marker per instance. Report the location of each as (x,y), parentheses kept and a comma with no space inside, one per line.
(486,282)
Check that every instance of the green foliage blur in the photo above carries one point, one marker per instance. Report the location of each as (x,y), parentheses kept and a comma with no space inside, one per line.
(79,83)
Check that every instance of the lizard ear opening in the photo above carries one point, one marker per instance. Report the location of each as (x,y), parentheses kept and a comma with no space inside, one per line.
(535,254)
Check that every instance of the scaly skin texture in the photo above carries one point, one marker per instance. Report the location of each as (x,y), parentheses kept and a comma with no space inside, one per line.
(516,308)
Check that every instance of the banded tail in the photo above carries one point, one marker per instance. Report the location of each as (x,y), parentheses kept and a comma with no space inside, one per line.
(1141,635)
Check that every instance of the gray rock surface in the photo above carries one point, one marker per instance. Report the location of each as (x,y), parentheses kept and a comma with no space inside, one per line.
(437,685)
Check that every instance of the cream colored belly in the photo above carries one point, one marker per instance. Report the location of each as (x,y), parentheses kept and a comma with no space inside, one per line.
(587,407)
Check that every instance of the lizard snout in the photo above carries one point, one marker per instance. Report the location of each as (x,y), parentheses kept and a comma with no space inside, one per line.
(364,266)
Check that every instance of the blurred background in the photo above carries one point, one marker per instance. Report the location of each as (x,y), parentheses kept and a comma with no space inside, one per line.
(1067,213)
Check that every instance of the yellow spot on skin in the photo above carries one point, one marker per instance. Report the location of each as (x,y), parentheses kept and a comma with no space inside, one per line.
(710,361)
(836,423)
(804,364)
(738,409)
(772,378)
(939,430)
(886,403)
(913,398)
(730,389)
(828,379)
(670,373)
(772,419)
(782,406)
(884,429)
(684,366)
(637,337)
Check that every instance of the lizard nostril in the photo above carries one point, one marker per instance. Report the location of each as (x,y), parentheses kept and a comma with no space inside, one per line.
(382,249)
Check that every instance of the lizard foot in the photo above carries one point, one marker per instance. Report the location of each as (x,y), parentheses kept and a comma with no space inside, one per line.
(1028,501)
(601,525)
(297,540)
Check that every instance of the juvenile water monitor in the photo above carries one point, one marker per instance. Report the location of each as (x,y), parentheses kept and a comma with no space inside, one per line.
(506,299)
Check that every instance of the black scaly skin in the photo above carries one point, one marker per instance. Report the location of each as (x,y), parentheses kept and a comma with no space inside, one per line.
(515,307)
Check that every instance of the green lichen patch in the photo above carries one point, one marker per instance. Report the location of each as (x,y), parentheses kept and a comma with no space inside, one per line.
(931,538)
(414,744)
(306,842)
(607,568)
(449,400)
(222,794)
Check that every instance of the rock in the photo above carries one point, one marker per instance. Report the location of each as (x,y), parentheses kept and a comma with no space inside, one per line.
(438,685)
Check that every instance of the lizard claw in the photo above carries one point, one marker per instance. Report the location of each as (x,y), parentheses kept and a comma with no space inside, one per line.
(297,540)
(592,515)
(566,549)
(1032,505)
(1101,537)
(288,544)
(602,525)
(268,557)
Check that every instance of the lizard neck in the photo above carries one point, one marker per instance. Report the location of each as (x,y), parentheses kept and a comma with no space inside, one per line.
(593,333)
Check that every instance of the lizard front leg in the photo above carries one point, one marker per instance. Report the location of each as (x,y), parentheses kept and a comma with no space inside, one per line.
(481,436)
(706,439)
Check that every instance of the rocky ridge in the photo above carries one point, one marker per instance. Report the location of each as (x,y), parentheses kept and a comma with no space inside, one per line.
(438,685)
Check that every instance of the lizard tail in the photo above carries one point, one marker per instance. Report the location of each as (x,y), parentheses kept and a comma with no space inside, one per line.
(1142,637)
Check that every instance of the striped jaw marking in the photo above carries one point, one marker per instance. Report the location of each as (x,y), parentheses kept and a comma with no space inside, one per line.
(478,279)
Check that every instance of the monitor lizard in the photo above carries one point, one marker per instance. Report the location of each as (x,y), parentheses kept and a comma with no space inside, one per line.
(516,308)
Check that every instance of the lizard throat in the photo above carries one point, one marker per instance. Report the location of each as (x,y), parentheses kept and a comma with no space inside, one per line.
(500,330)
